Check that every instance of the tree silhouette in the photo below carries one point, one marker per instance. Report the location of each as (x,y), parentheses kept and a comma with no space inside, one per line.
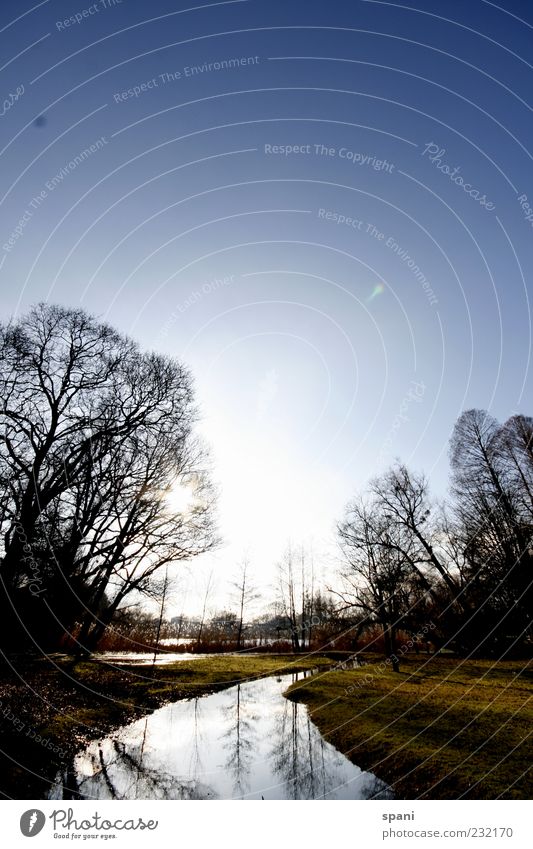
(94,435)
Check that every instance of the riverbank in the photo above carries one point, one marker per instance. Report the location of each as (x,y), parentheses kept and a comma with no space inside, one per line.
(442,728)
(50,707)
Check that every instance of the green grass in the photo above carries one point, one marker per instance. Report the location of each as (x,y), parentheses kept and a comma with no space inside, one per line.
(185,679)
(443,729)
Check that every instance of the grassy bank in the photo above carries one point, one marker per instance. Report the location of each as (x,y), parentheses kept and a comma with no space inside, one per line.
(50,707)
(442,729)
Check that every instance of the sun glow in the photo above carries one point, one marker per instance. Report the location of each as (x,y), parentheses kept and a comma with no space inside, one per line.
(179,498)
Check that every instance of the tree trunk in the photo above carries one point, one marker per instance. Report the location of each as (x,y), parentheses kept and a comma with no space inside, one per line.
(390,646)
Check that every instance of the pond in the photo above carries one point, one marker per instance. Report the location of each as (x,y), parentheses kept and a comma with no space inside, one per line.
(246,742)
(146,658)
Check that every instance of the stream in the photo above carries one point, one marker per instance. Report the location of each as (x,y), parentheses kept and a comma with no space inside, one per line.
(246,742)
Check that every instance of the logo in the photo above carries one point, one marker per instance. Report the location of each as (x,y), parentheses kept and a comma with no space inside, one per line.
(32,822)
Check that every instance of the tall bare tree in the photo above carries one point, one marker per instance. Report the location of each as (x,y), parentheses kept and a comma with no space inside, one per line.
(287,595)
(94,434)
(377,569)
(492,474)
(208,589)
(244,594)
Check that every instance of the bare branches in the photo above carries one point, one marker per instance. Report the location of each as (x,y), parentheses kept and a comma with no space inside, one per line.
(468,564)
(93,436)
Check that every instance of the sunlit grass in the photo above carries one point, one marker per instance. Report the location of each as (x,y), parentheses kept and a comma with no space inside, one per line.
(440,729)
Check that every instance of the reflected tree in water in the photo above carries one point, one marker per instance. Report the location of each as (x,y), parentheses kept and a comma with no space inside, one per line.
(239,737)
(119,770)
(297,755)
(302,759)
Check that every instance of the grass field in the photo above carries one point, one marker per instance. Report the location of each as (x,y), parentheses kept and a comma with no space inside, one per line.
(440,729)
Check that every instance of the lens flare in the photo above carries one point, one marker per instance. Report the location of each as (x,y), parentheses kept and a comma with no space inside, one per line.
(379,288)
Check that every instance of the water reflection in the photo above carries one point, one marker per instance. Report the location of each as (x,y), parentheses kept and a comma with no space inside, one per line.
(146,658)
(240,740)
(248,742)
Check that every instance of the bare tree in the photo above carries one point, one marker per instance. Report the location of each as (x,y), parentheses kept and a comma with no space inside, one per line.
(376,571)
(287,594)
(244,593)
(93,435)
(403,498)
(492,474)
(207,594)
(164,590)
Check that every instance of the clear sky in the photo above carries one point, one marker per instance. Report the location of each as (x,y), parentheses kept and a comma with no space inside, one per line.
(321,207)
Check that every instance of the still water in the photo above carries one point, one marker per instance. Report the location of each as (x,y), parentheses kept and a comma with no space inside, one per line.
(247,742)
(146,658)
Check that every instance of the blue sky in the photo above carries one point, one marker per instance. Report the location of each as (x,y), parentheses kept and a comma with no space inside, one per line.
(321,207)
